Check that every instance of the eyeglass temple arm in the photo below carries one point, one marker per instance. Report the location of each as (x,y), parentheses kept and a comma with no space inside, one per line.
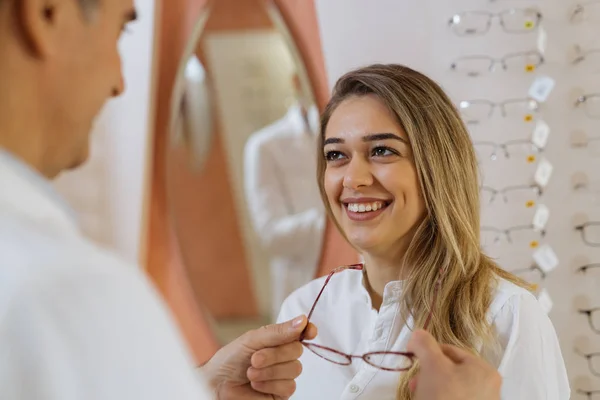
(358,266)
(584,268)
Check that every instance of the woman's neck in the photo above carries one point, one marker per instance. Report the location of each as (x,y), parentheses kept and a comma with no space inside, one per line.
(379,273)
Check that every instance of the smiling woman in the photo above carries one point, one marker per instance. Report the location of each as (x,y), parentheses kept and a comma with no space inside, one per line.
(398,174)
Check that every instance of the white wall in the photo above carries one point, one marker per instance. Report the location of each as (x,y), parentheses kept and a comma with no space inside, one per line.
(360,32)
(108,191)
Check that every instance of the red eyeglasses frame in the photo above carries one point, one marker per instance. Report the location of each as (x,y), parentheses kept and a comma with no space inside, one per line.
(364,357)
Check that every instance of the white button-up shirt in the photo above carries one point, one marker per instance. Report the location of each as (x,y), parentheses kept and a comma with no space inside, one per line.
(76,322)
(529,360)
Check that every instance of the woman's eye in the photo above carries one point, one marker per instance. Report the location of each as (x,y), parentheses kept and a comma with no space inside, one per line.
(383,152)
(333,155)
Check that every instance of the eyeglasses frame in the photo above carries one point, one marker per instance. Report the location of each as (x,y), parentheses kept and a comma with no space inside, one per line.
(500,15)
(349,357)
(581,228)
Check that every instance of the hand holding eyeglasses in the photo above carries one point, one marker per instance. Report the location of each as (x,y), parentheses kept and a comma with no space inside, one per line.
(449,373)
(261,364)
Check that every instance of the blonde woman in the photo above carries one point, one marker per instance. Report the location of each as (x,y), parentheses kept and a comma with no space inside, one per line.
(398,175)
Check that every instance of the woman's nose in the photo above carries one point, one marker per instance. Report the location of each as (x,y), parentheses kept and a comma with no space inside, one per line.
(357,174)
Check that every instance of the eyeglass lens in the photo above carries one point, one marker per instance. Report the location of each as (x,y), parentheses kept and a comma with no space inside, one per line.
(511,21)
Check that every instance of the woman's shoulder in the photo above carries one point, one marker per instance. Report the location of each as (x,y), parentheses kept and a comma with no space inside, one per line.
(510,299)
(301,300)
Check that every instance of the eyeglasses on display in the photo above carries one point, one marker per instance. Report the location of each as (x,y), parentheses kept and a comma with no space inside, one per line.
(585,11)
(477,65)
(479,110)
(590,104)
(593,317)
(590,233)
(513,20)
(514,235)
(581,184)
(584,268)
(588,60)
(516,194)
(532,274)
(384,360)
(593,360)
(521,146)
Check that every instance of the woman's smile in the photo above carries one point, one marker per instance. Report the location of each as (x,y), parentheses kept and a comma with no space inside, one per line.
(365,209)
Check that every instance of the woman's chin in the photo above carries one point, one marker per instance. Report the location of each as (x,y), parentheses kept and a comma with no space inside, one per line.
(364,244)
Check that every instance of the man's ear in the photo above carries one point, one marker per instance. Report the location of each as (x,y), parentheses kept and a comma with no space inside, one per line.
(39,23)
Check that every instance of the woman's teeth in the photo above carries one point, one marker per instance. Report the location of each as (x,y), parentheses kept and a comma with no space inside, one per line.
(365,207)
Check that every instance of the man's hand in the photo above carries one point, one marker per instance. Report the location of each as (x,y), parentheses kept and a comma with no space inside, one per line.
(450,373)
(261,364)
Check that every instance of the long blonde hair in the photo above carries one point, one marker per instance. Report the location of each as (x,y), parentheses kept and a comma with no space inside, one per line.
(448,238)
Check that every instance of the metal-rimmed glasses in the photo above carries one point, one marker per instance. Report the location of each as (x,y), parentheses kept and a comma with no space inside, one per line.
(527,194)
(519,233)
(593,360)
(590,233)
(532,274)
(478,110)
(590,103)
(593,317)
(384,360)
(476,65)
(513,20)
(587,10)
(525,145)
(589,59)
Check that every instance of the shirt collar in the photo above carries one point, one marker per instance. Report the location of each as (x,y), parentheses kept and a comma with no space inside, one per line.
(32,176)
(392,292)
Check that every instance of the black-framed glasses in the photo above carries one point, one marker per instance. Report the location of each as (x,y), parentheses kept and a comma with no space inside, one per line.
(584,268)
(384,360)
(515,194)
(517,146)
(478,110)
(593,317)
(514,234)
(512,20)
(593,360)
(590,233)
(477,65)
(590,104)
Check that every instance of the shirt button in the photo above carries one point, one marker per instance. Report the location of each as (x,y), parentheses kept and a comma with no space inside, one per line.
(354,388)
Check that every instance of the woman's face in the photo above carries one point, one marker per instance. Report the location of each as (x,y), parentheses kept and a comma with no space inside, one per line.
(370,178)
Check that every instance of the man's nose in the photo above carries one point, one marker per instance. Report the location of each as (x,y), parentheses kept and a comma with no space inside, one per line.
(358,174)
(120,87)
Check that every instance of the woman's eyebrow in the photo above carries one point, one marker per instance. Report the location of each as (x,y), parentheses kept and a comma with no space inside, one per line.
(371,137)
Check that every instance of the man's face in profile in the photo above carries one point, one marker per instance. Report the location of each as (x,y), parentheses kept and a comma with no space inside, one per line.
(82,68)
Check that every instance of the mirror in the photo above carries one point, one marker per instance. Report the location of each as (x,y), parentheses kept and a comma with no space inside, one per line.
(241,166)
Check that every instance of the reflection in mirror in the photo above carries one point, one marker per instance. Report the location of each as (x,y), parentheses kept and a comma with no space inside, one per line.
(241,178)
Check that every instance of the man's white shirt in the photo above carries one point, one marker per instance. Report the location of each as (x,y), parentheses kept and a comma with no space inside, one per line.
(75,321)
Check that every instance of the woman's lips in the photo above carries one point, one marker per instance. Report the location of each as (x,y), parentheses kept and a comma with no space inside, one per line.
(365,210)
